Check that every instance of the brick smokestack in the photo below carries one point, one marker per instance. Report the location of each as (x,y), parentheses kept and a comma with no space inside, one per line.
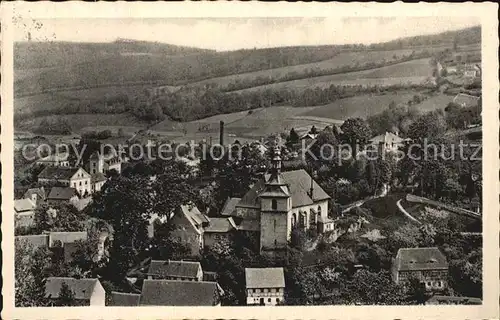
(221,133)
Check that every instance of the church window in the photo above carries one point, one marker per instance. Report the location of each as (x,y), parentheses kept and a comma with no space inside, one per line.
(274,225)
(312,218)
(274,204)
(294,222)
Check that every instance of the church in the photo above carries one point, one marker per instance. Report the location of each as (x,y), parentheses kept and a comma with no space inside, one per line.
(281,201)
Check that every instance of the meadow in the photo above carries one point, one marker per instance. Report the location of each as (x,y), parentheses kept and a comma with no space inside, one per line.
(411,72)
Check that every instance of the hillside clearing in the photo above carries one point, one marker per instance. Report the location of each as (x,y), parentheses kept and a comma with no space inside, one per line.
(415,71)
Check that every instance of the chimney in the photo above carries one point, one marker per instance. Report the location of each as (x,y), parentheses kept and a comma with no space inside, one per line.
(221,133)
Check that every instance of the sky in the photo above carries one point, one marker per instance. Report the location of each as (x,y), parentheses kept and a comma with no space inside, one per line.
(237,33)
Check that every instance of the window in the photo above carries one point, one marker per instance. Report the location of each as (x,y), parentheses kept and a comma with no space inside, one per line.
(275,243)
(274,225)
(80,183)
(274,204)
(277,300)
(269,300)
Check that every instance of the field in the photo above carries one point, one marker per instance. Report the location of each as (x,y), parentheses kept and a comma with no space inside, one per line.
(340,60)
(89,122)
(415,71)
(359,106)
(434,102)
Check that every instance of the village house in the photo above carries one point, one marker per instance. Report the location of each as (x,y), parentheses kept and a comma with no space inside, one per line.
(189,223)
(387,142)
(466,100)
(180,293)
(88,292)
(264,286)
(59,195)
(76,178)
(218,229)
(175,270)
(66,242)
(36,195)
(55,160)
(428,265)
(281,201)
(24,213)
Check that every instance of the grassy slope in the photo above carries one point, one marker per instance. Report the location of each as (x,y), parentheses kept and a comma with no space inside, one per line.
(359,106)
(414,71)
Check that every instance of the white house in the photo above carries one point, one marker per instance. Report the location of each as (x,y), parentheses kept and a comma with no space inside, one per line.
(76,178)
(264,286)
(24,212)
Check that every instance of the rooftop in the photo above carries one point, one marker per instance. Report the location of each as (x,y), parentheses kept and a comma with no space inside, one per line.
(121,299)
(82,288)
(264,278)
(386,137)
(431,258)
(57,173)
(61,193)
(22,205)
(179,293)
(170,268)
(299,184)
(40,193)
(67,237)
(230,207)
(466,100)
(55,157)
(35,241)
(220,225)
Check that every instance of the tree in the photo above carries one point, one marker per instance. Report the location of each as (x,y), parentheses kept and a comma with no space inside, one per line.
(294,137)
(356,132)
(66,296)
(313,130)
(371,288)
(31,271)
(297,238)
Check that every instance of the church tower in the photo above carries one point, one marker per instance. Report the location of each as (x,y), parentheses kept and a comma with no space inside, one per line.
(275,205)
(96,163)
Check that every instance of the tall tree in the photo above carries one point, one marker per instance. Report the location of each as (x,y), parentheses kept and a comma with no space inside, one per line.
(356,132)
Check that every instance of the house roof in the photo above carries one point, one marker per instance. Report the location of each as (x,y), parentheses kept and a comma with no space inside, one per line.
(36,241)
(299,184)
(82,288)
(466,100)
(431,258)
(22,205)
(57,173)
(264,278)
(373,235)
(229,208)
(97,177)
(436,299)
(66,237)
(61,193)
(124,299)
(386,137)
(192,212)
(220,225)
(179,293)
(249,225)
(40,192)
(170,268)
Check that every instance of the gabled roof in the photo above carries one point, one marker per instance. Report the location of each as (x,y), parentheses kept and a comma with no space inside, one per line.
(66,237)
(193,214)
(61,193)
(249,225)
(386,137)
(436,299)
(97,177)
(220,225)
(22,205)
(466,100)
(179,293)
(229,208)
(430,258)
(299,184)
(82,288)
(264,278)
(40,192)
(170,268)
(121,299)
(57,173)
(35,241)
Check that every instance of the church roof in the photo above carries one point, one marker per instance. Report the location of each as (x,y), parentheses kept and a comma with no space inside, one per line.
(299,184)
